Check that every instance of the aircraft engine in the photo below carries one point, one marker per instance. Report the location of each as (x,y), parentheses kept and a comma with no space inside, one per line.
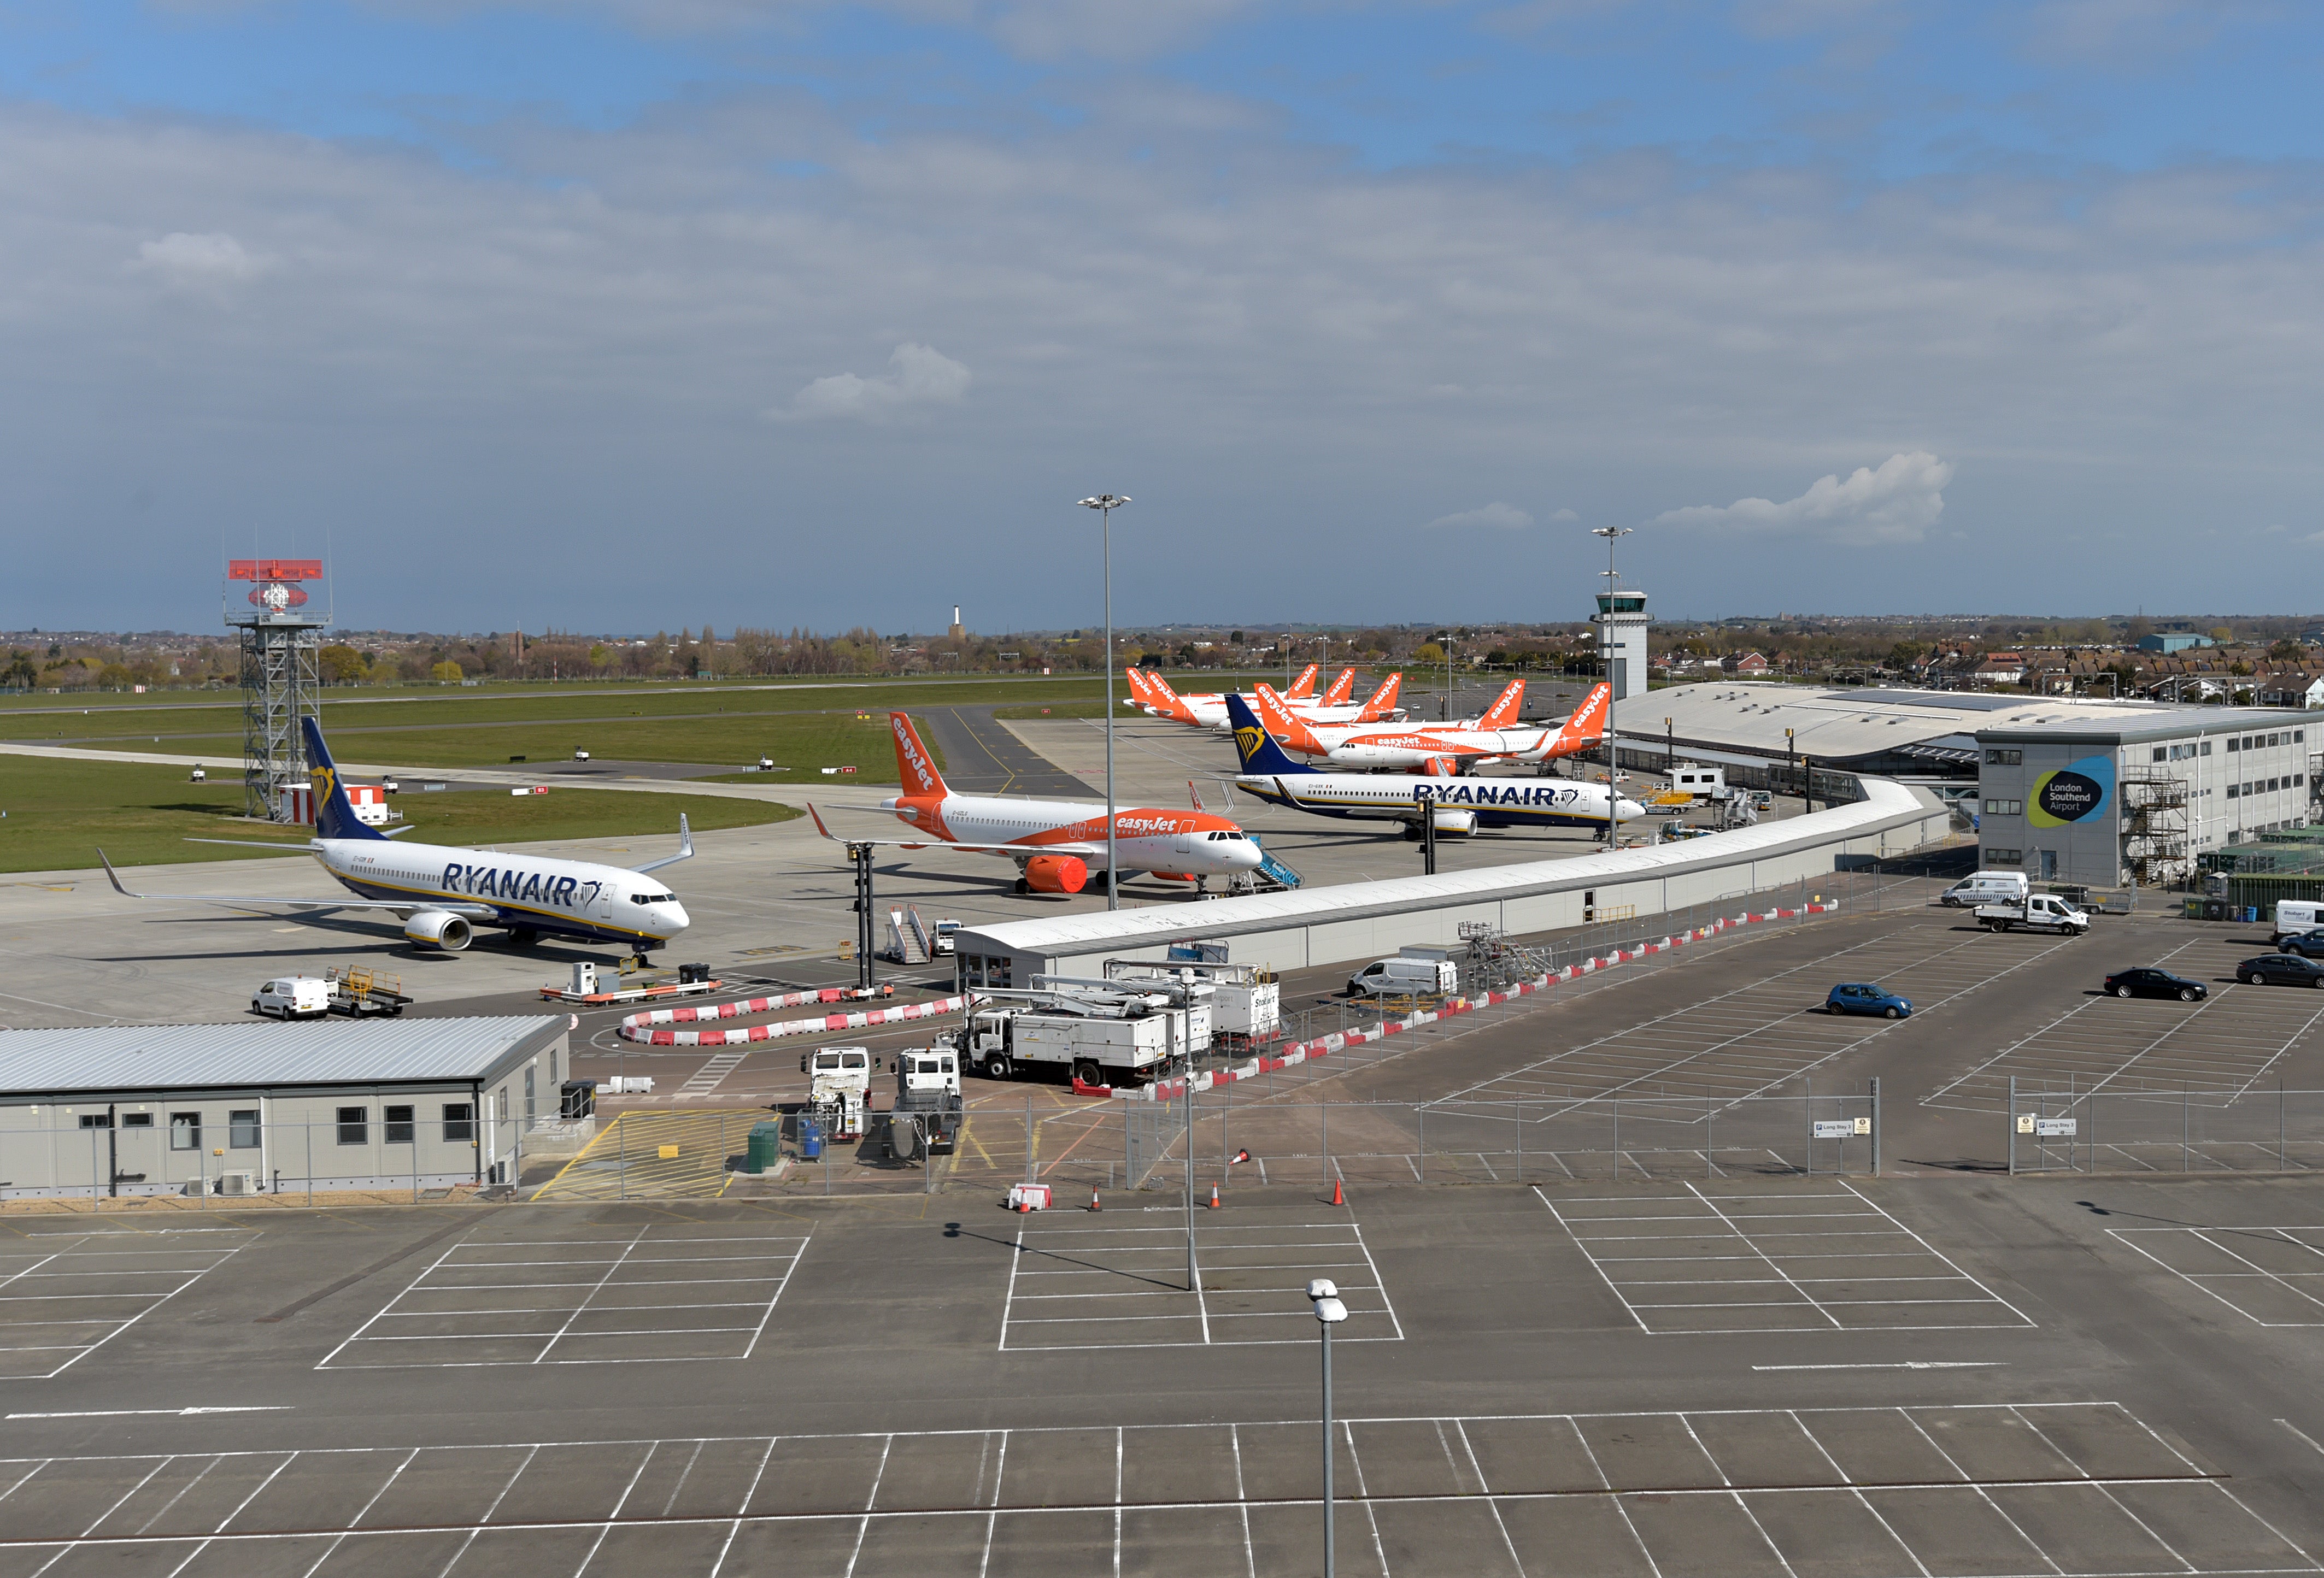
(1055,874)
(438,928)
(1459,823)
(1440,767)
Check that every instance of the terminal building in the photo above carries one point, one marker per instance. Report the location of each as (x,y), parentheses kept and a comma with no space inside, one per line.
(253,1109)
(2139,798)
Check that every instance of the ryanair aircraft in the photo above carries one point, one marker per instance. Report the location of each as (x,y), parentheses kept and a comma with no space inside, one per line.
(1457,805)
(441,894)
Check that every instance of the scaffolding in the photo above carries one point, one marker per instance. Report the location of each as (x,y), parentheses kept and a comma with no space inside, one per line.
(281,683)
(2155,844)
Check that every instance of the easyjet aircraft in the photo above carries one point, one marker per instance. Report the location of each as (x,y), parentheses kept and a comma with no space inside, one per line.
(1440,748)
(1210,712)
(1056,843)
(1298,698)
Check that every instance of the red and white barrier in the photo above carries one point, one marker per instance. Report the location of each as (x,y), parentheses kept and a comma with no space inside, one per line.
(634,1029)
(1324,1045)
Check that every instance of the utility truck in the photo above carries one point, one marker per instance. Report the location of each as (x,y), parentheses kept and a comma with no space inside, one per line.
(926,1117)
(2040,911)
(1105,1034)
(839,1090)
(1246,1001)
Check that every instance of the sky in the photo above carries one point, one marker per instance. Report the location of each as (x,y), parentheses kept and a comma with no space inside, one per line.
(647,313)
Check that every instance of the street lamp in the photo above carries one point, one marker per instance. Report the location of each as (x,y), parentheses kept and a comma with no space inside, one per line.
(1329,1313)
(1613,753)
(1105,504)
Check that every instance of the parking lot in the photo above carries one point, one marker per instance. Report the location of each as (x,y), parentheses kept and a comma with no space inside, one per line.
(65,1292)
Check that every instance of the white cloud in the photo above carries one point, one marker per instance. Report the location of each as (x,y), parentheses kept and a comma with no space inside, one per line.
(1564,517)
(1896,502)
(205,261)
(919,375)
(1496,515)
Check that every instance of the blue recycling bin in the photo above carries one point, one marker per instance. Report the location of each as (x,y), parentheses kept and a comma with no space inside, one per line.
(810,1133)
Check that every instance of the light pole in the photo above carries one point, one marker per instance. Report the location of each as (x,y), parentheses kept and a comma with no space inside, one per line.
(1613,752)
(1105,504)
(1329,1313)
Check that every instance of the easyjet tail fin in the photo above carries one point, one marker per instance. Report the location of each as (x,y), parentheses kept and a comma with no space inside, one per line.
(1383,699)
(1276,720)
(1304,687)
(1167,702)
(915,770)
(1583,729)
(1341,688)
(1503,712)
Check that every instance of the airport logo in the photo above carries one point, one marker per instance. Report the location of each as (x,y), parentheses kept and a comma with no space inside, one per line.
(2075,793)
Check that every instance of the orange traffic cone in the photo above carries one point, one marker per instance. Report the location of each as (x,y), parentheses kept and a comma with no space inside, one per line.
(1214,1197)
(1093,1200)
(1339,1196)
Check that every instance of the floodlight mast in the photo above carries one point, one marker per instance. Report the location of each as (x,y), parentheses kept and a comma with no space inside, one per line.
(1105,504)
(1329,1311)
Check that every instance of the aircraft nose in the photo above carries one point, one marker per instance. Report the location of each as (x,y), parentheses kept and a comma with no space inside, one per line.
(679,919)
(1248,855)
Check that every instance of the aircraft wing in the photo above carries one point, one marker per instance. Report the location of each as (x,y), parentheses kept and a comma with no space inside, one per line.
(349,902)
(1025,851)
(685,848)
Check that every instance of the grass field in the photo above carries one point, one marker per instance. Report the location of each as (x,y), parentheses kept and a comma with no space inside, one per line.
(709,725)
(59,812)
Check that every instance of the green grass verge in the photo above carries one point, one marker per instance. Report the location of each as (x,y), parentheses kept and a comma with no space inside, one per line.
(59,812)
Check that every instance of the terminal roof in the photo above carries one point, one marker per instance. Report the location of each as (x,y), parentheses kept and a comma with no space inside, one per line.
(242,1056)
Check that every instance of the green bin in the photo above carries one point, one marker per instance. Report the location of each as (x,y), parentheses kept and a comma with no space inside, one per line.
(766,1148)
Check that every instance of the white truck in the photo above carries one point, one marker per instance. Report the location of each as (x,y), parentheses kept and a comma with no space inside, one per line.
(293,998)
(927,1116)
(2040,911)
(1246,1001)
(1132,1048)
(839,1090)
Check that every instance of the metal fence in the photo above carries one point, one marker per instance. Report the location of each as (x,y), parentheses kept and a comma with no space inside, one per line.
(2185,1130)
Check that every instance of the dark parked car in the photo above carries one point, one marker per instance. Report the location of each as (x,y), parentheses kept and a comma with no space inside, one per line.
(2281,969)
(2308,944)
(2155,983)
(1862,997)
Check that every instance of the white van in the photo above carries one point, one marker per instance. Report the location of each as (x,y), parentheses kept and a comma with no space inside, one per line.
(1405,976)
(293,998)
(2293,916)
(1987,887)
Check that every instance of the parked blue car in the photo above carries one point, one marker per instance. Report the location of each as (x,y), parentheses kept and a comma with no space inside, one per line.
(1862,997)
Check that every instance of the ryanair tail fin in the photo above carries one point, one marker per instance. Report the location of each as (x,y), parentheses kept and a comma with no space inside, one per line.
(334,815)
(1383,699)
(1260,755)
(1503,712)
(915,770)
(1341,688)
(1304,686)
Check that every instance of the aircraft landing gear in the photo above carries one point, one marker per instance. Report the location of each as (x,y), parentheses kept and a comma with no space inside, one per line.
(1021,887)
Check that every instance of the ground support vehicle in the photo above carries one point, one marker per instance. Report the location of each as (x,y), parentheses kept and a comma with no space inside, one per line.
(1133,1047)
(2294,916)
(293,998)
(927,1116)
(1986,887)
(2043,911)
(1244,1002)
(358,992)
(839,1090)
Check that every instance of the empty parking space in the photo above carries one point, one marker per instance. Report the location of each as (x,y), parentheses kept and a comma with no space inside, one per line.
(1108,1287)
(64,1294)
(670,1293)
(1755,1038)
(1738,1260)
(2224,1045)
(2271,1275)
(1841,1494)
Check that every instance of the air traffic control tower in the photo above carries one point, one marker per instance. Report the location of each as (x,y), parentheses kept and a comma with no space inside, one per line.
(281,641)
(1621,621)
